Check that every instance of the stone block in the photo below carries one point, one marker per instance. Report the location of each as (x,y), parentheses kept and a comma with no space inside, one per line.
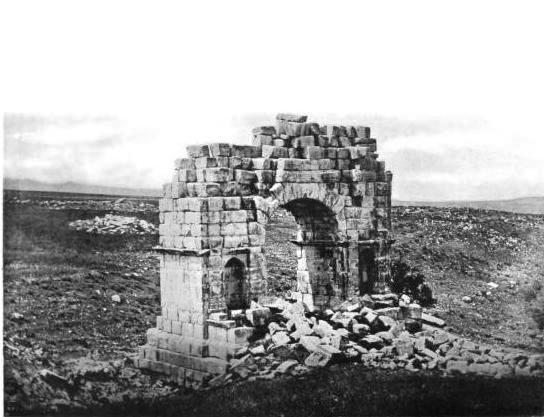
(186,175)
(344,141)
(215,203)
(267,176)
(290,129)
(274,152)
(246,151)
(240,335)
(263,163)
(314,152)
(308,129)
(167,190)
(219,149)
(260,140)
(343,153)
(232,203)
(166,204)
(197,151)
(200,175)
(264,130)
(290,117)
(179,189)
(233,229)
(298,176)
(184,163)
(222,161)
(219,174)
(303,142)
(331,153)
(231,242)
(234,216)
(333,141)
(332,130)
(280,142)
(363,132)
(343,164)
(296,164)
(205,162)
(245,177)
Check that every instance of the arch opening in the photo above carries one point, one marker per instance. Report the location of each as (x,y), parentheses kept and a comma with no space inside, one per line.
(320,268)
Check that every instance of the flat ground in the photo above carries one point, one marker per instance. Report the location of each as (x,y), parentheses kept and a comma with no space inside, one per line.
(59,316)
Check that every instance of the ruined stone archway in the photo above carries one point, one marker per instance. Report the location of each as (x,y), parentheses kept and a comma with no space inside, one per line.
(216,208)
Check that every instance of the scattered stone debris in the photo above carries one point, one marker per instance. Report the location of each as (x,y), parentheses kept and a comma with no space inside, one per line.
(115,298)
(121,204)
(490,229)
(111,224)
(295,341)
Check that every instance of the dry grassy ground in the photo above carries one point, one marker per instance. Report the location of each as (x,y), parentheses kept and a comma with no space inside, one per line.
(59,316)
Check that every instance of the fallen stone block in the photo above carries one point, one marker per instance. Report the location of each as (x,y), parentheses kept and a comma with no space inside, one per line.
(392,312)
(429,353)
(383,323)
(411,311)
(387,337)
(367,301)
(318,359)
(257,350)
(281,338)
(310,343)
(370,318)
(240,335)
(432,321)
(286,366)
(274,327)
(370,341)
(457,366)
(360,329)
(412,326)
(323,329)
(404,346)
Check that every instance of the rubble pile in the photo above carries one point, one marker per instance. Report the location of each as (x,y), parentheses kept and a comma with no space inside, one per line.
(489,228)
(121,204)
(382,331)
(111,224)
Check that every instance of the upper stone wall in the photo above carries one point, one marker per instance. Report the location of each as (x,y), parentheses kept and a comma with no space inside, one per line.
(293,151)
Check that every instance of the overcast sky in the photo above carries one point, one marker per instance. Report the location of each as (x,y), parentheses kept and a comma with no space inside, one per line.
(111,92)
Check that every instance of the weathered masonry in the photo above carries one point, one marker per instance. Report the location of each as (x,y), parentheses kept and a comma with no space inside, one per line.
(212,232)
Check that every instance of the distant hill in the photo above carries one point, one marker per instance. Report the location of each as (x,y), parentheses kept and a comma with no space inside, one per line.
(527,205)
(74,187)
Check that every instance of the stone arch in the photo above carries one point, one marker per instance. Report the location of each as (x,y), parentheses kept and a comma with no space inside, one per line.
(235,284)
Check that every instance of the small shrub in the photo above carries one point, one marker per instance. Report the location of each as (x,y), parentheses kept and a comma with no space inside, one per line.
(408,280)
(537,310)
(531,292)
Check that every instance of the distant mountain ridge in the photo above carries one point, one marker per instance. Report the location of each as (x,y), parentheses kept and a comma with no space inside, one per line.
(75,187)
(526,205)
